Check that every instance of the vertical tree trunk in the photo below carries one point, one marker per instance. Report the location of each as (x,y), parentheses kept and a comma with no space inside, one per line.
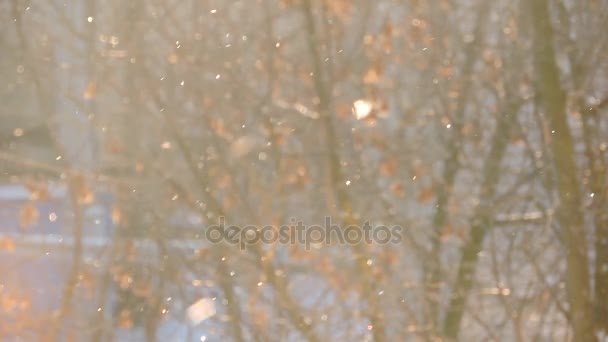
(451,166)
(344,203)
(570,216)
(597,183)
(482,223)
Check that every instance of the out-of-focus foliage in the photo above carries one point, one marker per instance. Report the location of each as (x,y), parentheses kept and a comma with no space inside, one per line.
(478,126)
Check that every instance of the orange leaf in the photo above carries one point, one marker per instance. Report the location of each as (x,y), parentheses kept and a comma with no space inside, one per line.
(90,91)
(124,319)
(83,192)
(173,59)
(371,76)
(446,232)
(38,191)
(344,111)
(340,8)
(398,189)
(116,215)
(7,244)
(28,215)
(388,167)
(426,195)
(114,147)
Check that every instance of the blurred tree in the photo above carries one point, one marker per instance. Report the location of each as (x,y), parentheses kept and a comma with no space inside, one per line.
(479,127)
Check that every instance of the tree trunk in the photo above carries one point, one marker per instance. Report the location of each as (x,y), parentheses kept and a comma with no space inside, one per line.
(482,222)
(570,216)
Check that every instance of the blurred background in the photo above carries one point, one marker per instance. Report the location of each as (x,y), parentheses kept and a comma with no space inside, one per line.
(127,128)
